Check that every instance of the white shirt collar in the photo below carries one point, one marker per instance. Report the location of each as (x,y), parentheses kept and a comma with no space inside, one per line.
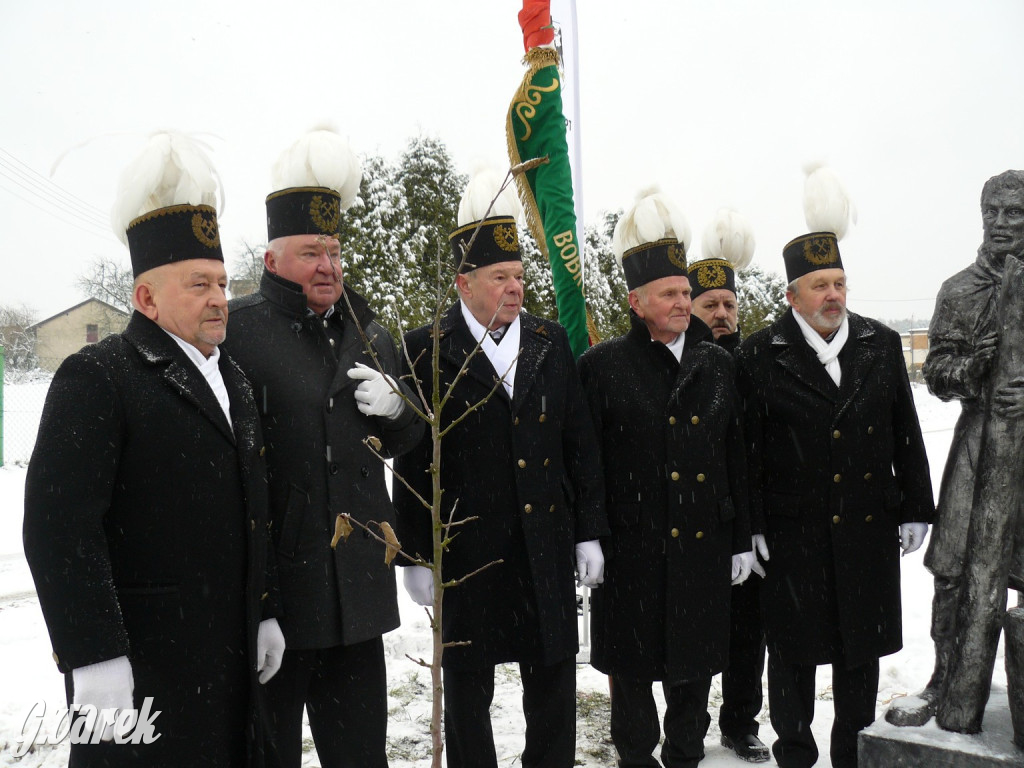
(210,368)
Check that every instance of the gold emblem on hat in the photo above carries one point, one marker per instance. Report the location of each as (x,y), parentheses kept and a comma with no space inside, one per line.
(820,251)
(711,276)
(325,214)
(506,237)
(677,255)
(204,227)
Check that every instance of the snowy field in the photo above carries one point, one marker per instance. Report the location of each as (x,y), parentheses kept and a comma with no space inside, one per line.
(29,680)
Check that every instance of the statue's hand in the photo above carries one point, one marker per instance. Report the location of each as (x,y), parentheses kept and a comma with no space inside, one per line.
(984,353)
(1008,401)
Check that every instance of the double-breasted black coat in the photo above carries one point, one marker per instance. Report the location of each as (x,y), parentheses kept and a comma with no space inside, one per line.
(317,463)
(833,472)
(145,530)
(675,478)
(528,469)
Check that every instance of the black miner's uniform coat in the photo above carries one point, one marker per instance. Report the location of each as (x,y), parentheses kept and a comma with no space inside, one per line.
(528,468)
(145,529)
(833,472)
(675,477)
(317,465)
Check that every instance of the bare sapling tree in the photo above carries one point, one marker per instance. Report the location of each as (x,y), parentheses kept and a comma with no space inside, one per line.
(430,410)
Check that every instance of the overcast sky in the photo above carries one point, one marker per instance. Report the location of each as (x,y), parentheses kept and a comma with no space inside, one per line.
(913,103)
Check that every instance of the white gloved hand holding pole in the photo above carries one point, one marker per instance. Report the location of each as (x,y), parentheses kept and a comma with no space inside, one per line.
(376,394)
(106,685)
(269,649)
(589,564)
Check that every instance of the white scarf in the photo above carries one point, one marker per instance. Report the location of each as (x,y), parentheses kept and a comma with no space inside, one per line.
(504,356)
(210,368)
(676,347)
(827,351)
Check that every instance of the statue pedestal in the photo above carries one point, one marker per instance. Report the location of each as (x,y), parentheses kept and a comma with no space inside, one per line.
(882,745)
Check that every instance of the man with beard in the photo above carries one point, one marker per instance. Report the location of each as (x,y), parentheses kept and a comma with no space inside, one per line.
(837,464)
(663,400)
(962,346)
(729,244)
(145,500)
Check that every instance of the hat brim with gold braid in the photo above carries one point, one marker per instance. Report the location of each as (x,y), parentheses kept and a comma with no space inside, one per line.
(653,261)
(496,240)
(303,211)
(811,252)
(710,275)
(172,234)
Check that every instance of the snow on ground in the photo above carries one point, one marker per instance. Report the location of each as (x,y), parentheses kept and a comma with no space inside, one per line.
(29,680)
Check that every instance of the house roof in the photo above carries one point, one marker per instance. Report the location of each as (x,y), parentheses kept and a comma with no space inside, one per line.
(80,304)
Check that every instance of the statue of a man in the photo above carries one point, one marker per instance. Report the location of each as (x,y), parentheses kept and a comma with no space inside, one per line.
(963,339)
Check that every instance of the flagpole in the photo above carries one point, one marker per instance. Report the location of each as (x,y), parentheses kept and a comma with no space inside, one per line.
(563,16)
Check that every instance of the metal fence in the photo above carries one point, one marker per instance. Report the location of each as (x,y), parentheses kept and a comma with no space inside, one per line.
(24,393)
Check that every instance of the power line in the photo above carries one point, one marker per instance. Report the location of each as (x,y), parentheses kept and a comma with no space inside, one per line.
(104,233)
(49,186)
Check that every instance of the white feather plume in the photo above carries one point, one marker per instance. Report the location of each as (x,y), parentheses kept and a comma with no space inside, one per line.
(653,217)
(729,236)
(480,191)
(827,206)
(172,169)
(321,158)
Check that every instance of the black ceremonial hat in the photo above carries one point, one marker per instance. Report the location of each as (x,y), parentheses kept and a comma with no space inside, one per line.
(174,233)
(653,261)
(497,240)
(811,252)
(303,211)
(710,274)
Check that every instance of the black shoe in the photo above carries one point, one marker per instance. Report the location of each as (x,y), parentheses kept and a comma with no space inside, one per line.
(748,747)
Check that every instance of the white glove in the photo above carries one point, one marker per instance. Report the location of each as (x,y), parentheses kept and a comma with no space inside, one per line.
(106,685)
(912,536)
(589,564)
(269,649)
(741,567)
(375,395)
(419,583)
(760,547)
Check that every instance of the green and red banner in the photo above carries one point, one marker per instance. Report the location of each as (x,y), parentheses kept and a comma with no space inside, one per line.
(535,128)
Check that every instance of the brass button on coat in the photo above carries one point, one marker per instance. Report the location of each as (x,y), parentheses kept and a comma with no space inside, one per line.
(521,463)
(672,420)
(871,430)
(836,434)
(836,519)
(543,417)
(700,477)
(700,534)
(675,475)
(836,478)
(551,508)
(867,476)
(528,508)
(869,518)
(675,533)
(695,420)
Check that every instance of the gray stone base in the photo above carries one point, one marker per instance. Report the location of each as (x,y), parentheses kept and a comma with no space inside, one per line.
(882,745)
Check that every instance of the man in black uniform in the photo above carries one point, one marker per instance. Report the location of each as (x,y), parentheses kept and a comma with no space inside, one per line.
(664,403)
(713,291)
(325,377)
(837,465)
(523,464)
(145,500)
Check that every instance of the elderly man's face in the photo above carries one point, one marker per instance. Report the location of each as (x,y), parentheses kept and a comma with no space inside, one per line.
(493,294)
(312,261)
(188,299)
(1002,216)
(718,309)
(664,305)
(820,298)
